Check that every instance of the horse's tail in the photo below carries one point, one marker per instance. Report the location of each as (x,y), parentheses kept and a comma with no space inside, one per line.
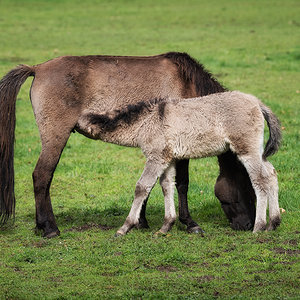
(273,143)
(10,85)
(194,73)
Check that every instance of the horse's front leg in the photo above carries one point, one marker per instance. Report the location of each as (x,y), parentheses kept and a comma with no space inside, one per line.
(143,188)
(167,185)
(182,184)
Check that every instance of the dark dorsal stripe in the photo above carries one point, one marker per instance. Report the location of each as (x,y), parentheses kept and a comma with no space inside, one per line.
(128,115)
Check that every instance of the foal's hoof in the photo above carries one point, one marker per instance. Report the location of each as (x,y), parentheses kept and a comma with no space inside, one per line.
(273,224)
(196,230)
(119,234)
(259,227)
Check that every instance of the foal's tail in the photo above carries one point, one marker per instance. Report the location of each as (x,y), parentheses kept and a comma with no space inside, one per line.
(273,143)
(10,85)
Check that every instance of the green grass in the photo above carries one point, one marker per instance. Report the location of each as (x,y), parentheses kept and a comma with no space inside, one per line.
(252,46)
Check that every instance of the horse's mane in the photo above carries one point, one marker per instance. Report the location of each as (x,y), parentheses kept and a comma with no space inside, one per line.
(127,115)
(194,72)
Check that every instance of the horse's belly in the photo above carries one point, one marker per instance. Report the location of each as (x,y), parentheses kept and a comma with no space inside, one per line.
(203,145)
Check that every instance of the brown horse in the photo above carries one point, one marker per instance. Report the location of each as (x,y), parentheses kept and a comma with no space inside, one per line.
(193,128)
(65,88)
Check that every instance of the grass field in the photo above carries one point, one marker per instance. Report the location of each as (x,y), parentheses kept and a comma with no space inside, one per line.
(252,46)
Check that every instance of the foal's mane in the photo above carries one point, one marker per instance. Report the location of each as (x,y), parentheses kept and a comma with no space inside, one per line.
(194,72)
(127,115)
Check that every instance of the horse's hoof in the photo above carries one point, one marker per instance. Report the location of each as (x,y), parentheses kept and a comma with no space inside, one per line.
(142,225)
(259,227)
(52,234)
(273,224)
(196,230)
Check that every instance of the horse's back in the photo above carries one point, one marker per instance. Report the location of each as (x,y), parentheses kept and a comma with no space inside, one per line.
(100,83)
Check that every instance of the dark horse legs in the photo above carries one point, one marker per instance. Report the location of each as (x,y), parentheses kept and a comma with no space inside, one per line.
(182,184)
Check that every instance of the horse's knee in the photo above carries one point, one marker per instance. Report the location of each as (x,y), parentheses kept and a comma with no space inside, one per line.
(142,190)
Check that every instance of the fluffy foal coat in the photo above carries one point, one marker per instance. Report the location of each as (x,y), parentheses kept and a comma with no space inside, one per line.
(171,130)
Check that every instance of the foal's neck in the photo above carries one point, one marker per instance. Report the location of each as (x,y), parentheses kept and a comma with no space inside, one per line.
(125,127)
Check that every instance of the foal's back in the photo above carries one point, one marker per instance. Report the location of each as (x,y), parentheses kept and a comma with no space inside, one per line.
(208,126)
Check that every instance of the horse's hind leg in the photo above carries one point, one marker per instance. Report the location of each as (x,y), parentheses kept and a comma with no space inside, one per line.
(167,185)
(182,184)
(52,147)
(274,212)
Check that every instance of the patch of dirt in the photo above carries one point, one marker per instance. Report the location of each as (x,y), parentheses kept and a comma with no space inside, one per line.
(286,251)
(166,269)
(263,240)
(86,227)
(291,242)
(287,262)
(40,244)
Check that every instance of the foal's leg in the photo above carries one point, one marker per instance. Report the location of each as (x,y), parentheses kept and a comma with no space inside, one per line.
(265,188)
(167,185)
(274,212)
(182,184)
(143,188)
(143,223)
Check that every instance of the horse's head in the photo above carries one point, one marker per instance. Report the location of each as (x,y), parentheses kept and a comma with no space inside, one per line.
(235,192)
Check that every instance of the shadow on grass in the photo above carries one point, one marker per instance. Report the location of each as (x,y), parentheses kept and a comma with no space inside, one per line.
(113,217)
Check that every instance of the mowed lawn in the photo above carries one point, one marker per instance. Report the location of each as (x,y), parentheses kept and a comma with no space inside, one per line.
(252,46)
